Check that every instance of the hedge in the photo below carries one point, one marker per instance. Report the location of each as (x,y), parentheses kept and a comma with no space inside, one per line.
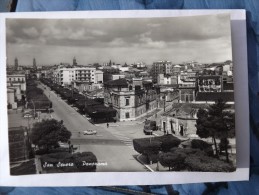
(146,146)
(202,145)
(168,142)
(201,162)
(173,160)
(151,146)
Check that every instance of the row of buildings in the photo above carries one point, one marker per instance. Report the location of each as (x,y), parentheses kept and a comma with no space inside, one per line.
(135,90)
(16,89)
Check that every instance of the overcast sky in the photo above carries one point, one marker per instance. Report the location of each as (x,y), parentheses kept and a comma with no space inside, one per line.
(204,39)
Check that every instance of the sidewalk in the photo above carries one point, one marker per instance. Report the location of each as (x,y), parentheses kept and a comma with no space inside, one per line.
(150,116)
(154,167)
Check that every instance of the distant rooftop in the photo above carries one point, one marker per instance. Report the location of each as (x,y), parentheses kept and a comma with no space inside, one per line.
(118,82)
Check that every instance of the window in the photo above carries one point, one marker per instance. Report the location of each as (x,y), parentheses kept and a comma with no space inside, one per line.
(127,102)
(127,115)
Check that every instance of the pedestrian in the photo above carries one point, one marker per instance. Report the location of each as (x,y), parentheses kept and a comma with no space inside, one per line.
(107,125)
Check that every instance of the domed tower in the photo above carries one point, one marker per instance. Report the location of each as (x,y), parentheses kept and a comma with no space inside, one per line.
(16,64)
(34,64)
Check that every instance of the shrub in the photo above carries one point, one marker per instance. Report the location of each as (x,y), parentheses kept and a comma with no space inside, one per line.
(186,151)
(168,142)
(201,162)
(25,168)
(147,147)
(85,162)
(202,145)
(153,157)
(172,160)
(41,151)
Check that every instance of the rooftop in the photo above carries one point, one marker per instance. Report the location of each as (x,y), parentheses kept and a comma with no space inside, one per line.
(184,109)
(214,96)
(118,82)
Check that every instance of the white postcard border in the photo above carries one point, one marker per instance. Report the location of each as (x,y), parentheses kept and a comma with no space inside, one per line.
(239,47)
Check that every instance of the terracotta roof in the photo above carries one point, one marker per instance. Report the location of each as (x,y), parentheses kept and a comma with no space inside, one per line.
(185,109)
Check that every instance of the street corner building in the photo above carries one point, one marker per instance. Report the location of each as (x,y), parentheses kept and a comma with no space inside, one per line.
(131,99)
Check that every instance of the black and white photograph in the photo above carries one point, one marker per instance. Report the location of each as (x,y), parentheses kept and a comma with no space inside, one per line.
(120,95)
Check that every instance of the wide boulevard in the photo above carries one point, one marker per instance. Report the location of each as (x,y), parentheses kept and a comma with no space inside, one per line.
(115,154)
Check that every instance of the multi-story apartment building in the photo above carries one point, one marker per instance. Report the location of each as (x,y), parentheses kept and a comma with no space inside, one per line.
(160,67)
(131,99)
(66,75)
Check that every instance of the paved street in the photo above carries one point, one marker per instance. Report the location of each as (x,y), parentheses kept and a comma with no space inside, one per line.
(106,145)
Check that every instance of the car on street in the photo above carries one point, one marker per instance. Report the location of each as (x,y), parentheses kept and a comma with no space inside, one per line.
(90,132)
(75,108)
(148,131)
(27,116)
(87,117)
(149,127)
(63,145)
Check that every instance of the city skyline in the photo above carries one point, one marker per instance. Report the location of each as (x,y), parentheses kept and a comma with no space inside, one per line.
(205,39)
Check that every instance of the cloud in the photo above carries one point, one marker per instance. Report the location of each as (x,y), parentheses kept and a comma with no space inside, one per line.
(175,39)
(31,32)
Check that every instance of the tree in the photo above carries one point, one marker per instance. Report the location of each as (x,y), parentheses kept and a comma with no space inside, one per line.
(216,122)
(147,147)
(173,160)
(201,162)
(47,133)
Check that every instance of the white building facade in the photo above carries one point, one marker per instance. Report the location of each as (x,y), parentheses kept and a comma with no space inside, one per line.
(66,75)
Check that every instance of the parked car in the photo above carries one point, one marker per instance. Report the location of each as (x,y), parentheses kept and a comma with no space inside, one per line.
(87,117)
(148,131)
(63,145)
(149,127)
(90,132)
(27,116)
(75,108)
